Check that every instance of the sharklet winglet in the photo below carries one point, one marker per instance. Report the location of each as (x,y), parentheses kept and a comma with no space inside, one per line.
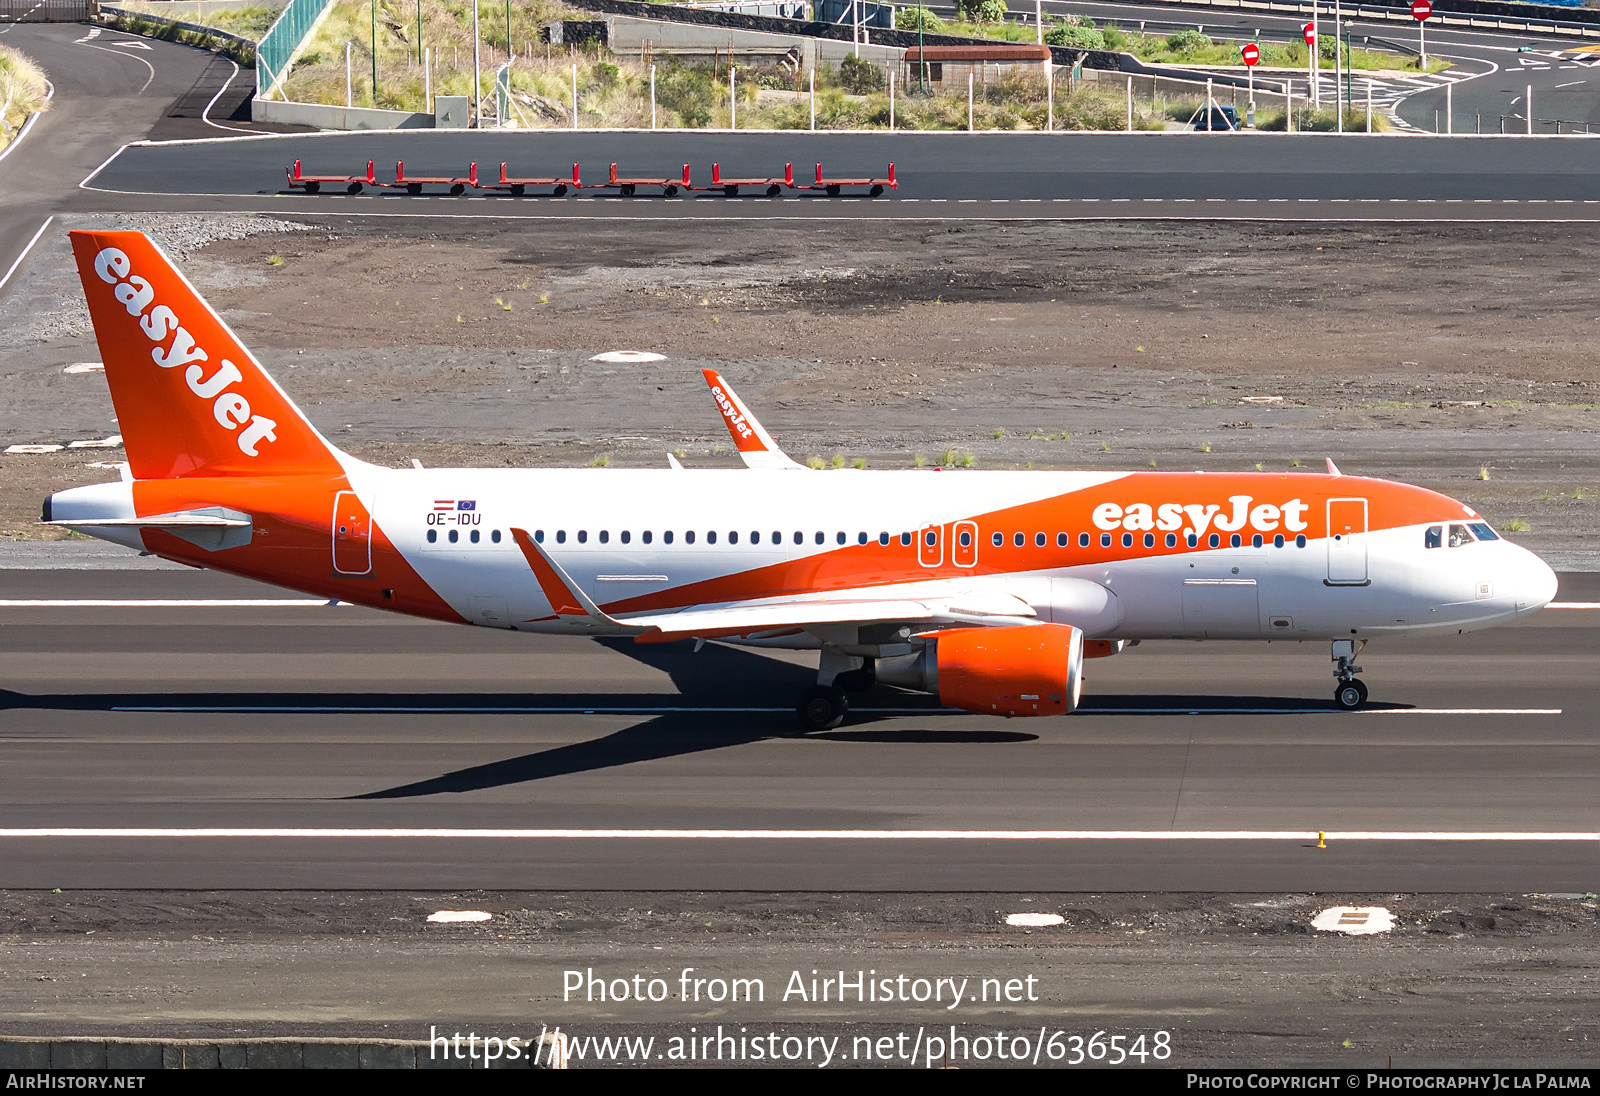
(756,447)
(563,594)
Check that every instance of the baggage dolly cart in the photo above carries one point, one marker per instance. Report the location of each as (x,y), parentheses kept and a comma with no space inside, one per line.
(834,186)
(517,187)
(311,184)
(414,185)
(730,187)
(626,187)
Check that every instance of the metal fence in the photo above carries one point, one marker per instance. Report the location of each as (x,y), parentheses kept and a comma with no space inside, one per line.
(46,11)
(277,47)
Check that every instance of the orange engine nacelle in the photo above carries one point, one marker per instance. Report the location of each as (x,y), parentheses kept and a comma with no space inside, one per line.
(1019,670)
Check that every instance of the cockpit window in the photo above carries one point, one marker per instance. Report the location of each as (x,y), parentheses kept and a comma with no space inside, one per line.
(1434,537)
(1484,531)
(1459,536)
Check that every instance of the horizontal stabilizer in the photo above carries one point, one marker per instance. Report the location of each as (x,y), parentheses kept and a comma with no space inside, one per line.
(212,528)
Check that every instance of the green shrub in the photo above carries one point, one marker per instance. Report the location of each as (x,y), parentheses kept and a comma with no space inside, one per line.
(1188,42)
(1075,37)
(1113,36)
(982,11)
(860,77)
(605,73)
(918,19)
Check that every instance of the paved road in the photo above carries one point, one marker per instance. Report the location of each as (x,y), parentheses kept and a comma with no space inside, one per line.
(1489,74)
(296,717)
(110,88)
(1018,168)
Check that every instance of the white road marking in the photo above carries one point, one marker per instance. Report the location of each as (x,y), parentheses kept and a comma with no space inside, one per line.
(657,709)
(23,254)
(163,603)
(412,833)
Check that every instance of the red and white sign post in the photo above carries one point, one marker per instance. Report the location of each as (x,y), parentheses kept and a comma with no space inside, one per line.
(1251,53)
(1310,33)
(1420,10)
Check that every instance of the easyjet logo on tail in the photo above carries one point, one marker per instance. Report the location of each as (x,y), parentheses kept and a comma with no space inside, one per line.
(731,412)
(1195,518)
(161,324)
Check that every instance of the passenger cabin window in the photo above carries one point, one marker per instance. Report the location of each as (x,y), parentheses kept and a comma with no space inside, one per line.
(1277,541)
(883,539)
(1434,537)
(625,536)
(646,536)
(666,537)
(474,536)
(455,535)
(733,538)
(1149,540)
(1038,540)
(1172,540)
(905,539)
(1256,541)
(821,537)
(965,538)
(839,538)
(1105,540)
(1083,540)
(1483,531)
(1459,535)
(583,536)
(1127,540)
(688,537)
(1019,539)
(711,537)
(433,536)
(861,538)
(605,537)
(998,539)
(495,536)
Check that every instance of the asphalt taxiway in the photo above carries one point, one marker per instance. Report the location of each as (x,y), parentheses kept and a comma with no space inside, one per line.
(206,742)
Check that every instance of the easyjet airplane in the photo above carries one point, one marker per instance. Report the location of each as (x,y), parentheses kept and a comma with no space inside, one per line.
(988,589)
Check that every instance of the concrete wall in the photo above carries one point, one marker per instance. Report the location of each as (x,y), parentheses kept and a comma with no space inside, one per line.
(630,35)
(185,9)
(326,117)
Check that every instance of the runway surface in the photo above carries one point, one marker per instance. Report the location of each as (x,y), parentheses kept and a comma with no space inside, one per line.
(324,724)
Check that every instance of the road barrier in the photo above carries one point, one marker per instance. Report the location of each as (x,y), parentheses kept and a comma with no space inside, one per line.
(559,185)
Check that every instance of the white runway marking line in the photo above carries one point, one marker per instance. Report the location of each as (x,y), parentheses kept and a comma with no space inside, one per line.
(166,603)
(577,709)
(1573,605)
(419,833)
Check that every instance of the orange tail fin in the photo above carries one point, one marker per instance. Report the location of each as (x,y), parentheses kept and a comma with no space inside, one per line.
(190,399)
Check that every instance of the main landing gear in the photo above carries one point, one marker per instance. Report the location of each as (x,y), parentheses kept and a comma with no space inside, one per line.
(824,708)
(825,705)
(1350,692)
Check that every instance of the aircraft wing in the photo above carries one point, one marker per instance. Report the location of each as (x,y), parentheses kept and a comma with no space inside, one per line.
(777,615)
(756,447)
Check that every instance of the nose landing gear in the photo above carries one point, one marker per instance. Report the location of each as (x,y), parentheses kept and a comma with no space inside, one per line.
(1350,692)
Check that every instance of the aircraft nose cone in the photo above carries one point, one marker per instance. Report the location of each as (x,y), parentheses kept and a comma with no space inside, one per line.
(1536,584)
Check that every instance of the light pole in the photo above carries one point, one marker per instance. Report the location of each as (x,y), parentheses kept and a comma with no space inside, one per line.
(1338,66)
(374,52)
(477,72)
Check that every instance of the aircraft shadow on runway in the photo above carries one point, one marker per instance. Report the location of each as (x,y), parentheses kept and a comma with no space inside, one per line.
(751,687)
